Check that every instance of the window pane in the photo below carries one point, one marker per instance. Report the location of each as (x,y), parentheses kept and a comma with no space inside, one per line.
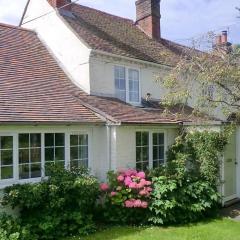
(35,170)
(35,140)
(120,82)
(83,139)
(145,154)
(145,140)
(23,156)
(59,139)
(158,149)
(133,85)
(142,150)
(59,153)
(35,155)
(6,172)
(6,157)
(24,171)
(83,152)
(74,140)
(49,139)
(23,140)
(6,142)
(49,154)
(74,153)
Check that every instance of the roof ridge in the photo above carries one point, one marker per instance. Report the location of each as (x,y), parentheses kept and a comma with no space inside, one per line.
(16,27)
(103,12)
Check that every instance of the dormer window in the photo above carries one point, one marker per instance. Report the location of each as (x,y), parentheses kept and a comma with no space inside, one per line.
(127,84)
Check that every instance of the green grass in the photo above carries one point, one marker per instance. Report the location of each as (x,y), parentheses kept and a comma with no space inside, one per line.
(213,230)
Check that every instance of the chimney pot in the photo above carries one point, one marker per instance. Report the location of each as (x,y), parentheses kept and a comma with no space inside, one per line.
(224,37)
(148,17)
(60,4)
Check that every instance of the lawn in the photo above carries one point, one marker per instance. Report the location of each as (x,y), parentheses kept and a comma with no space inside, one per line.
(213,230)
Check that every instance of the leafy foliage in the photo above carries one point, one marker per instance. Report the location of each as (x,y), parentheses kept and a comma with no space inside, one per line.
(186,189)
(60,206)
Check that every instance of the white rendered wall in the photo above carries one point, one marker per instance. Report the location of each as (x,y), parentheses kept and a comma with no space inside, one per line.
(126,142)
(102,77)
(67,48)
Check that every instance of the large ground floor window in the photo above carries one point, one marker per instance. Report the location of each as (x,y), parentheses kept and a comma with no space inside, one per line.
(150,149)
(27,155)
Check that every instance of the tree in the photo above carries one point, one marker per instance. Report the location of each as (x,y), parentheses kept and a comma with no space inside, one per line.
(206,80)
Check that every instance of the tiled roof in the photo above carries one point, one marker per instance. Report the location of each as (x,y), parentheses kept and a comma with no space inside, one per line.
(116,35)
(33,88)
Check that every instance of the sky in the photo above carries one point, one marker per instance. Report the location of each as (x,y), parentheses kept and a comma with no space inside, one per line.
(182,20)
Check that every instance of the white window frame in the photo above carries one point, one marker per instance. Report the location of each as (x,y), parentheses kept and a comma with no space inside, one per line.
(150,137)
(15,135)
(127,68)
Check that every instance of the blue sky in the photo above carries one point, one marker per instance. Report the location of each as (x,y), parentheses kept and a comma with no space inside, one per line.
(181,19)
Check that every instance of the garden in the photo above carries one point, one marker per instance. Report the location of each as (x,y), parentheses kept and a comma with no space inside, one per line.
(179,200)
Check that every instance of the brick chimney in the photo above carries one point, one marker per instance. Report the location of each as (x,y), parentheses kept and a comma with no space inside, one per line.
(222,44)
(148,17)
(60,4)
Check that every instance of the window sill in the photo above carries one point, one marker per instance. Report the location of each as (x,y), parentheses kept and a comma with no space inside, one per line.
(8,183)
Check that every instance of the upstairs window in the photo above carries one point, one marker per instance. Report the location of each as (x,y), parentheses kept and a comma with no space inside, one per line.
(127,84)
(120,83)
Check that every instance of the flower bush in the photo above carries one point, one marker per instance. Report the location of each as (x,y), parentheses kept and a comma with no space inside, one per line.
(126,194)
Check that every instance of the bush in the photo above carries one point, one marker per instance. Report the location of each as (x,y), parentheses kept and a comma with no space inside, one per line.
(126,197)
(60,206)
(11,229)
(185,190)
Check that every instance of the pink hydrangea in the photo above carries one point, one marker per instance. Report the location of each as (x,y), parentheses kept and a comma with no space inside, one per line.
(133,185)
(130,172)
(113,194)
(129,204)
(148,183)
(127,181)
(137,203)
(104,187)
(149,189)
(143,193)
(120,178)
(141,175)
(144,204)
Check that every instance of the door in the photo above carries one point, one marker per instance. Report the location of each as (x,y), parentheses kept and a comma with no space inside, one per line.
(230,170)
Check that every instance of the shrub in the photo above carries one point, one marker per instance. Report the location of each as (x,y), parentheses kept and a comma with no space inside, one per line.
(126,197)
(60,206)
(11,229)
(185,190)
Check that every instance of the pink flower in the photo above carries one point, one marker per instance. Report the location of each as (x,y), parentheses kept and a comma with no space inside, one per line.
(148,183)
(120,178)
(130,172)
(129,204)
(143,182)
(141,175)
(144,204)
(127,181)
(104,187)
(137,203)
(149,189)
(113,194)
(133,185)
(143,193)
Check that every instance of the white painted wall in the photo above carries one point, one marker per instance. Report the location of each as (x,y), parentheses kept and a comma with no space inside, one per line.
(68,49)
(102,76)
(126,142)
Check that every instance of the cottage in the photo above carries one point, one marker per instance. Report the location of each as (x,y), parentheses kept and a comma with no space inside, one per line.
(78,87)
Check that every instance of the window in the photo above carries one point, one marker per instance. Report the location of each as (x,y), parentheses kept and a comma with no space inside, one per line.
(142,150)
(6,157)
(29,155)
(133,76)
(127,84)
(78,150)
(120,83)
(158,149)
(150,150)
(54,149)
